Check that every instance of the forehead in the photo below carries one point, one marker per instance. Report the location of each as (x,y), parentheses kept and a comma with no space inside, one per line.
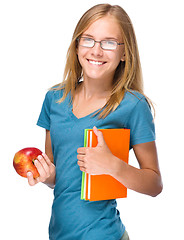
(105,27)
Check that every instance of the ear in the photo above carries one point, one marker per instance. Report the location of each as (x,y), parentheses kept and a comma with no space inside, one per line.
(123,58)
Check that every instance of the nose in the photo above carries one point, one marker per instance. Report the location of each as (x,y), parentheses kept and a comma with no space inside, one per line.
(97,50)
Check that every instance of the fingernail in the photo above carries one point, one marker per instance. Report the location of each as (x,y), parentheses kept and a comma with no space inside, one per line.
(29,174)
(35,161)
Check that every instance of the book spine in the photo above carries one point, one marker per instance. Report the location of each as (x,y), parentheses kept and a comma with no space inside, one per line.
(83,183)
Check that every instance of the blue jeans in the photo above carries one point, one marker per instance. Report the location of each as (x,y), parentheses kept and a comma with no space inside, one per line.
(125,236)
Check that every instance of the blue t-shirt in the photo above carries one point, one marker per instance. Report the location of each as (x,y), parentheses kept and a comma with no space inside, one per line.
(73,218)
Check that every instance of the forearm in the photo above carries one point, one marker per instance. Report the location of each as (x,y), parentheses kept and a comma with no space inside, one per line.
(145,181)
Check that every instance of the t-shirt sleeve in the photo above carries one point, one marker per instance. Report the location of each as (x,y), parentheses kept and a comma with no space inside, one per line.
(141,123)
(44,118)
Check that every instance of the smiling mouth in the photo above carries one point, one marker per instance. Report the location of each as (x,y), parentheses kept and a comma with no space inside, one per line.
(97,63)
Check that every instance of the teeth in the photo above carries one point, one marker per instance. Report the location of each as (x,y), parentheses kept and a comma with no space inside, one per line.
(95,63)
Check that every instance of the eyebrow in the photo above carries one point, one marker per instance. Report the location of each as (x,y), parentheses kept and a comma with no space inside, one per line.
(106,38)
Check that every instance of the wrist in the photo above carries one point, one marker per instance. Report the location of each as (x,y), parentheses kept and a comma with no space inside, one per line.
(50,182)
(116,167)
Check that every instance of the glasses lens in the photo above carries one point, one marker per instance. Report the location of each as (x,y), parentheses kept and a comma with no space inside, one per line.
(109,45)
(86,42)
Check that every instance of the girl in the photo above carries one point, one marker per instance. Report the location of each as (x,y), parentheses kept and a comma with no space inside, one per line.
(102,88)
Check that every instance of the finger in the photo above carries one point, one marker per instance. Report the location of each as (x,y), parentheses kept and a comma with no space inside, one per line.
(48,161)
(81,150)
(43,163)
(83,169)
(31,179)
(99,135)
(41,170)
(80,163)
(95,130)
(81,157)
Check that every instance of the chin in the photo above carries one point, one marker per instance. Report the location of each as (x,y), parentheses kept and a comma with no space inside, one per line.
(95,75)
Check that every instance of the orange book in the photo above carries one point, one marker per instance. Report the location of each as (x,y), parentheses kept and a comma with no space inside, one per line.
(105,187)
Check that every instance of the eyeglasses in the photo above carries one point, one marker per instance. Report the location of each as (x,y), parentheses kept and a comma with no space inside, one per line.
(104,44)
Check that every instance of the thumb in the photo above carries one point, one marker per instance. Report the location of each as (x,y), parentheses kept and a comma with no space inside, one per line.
(100,137)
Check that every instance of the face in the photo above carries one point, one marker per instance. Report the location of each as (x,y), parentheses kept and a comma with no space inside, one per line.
(96,62)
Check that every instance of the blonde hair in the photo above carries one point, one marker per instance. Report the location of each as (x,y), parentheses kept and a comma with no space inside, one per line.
(128,75)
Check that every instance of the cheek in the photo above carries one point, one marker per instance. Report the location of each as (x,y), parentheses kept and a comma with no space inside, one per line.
(81,54)
(81,51)
(116,60)
(119,57)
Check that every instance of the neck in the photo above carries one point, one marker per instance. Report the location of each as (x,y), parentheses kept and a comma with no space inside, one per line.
(96,88)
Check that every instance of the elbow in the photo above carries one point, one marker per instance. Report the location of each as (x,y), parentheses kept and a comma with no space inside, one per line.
(158,186)
(158,190)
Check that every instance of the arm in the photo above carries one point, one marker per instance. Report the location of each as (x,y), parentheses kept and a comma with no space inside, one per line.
(145,180)
(50,181)
(45,166)
(100,160)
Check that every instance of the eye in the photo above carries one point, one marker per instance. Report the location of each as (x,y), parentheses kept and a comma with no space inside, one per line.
(86,42)
(109,42)
(86,39)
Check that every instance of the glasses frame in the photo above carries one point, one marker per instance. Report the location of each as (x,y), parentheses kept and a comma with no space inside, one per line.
(94,41)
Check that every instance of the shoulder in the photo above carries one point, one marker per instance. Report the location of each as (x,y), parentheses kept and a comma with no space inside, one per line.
(133,100)
(54,94)
(136,108)
(139,110)
(133,97)
(139,118)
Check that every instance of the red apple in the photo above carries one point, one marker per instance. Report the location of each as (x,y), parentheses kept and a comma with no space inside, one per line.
(23,161)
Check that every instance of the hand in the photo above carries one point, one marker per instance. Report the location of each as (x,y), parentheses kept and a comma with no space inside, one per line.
(95,160)
(45,168)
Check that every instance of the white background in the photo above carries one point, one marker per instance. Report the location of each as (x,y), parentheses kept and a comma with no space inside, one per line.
(35,36)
